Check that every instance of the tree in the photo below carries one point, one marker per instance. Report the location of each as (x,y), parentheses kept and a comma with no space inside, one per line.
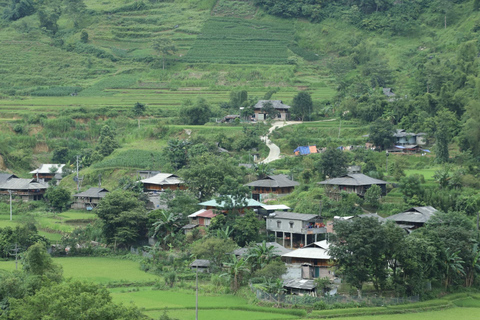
(246,228)
(139,109)
(74,300)
(362,249)
(411,188)
(260,256)
(214,249)
(177,152)
(197,113)
(48,19)
(237,268)
(60,155)
(58,197)
(38,262)
(381,133)
(446,126)
(76,9)
(107,142)
(453,266)
(17,9)
(164,47)
(84,36)
(124,217)
(205,174)
(332,163)
(302,104)
(166,226)
(373,195)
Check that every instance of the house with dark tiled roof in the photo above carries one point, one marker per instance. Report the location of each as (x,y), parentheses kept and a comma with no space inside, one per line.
(25,189)
(352,183)
(414,217)
(278,184)
(260,114)
(89,199)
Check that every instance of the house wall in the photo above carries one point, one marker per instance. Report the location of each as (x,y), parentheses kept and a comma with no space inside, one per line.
(157,187)
(286,225)
(262,190)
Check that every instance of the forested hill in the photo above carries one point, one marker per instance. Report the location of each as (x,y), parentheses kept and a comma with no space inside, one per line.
(342,52)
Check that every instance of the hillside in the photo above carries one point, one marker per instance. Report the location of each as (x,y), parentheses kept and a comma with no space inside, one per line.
(90,60)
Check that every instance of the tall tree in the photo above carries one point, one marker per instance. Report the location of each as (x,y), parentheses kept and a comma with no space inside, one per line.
(381,133)
(302,105)
(124,217)
(332,163)
(164,47)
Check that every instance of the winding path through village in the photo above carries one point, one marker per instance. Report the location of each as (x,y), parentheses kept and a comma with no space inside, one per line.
(274,149)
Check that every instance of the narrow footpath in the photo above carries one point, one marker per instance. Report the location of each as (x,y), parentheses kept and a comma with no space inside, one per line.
(274,149)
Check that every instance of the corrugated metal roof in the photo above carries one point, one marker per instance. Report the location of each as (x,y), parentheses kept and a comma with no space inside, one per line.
(163,178)
(356,179)
(270,207)
(45,168)
(277,104)
(207,214)
(292,216)
(414,215)
(274,181)
(200,263)
(196,213)
(308,253)
(22,184)
(320,244)
(301,284)
(6,176)
(213,203)
(93,193)
(278,251)
(189,226)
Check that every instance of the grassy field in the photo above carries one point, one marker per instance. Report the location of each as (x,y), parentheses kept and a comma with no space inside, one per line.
(99,270)
(452,313)
(50,225)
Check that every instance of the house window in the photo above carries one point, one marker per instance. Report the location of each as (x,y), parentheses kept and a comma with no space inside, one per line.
(279,224)
(291,224)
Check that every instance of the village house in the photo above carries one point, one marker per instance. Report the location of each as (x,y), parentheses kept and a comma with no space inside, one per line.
(201,218)
(278,184)
(278,250)
(312,261)
(200,265)
(88,200)
(4,177)
(295,229)
(404,138)
(163,181)
(230,118)
(25,189)
(260,115)
(250,204)
(352,183)
(414,217)
(48,172)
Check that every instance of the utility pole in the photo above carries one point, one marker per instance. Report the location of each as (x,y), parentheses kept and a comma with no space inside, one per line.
(196,293)
(386,161)
(339,127)
(10,192)
(78,188)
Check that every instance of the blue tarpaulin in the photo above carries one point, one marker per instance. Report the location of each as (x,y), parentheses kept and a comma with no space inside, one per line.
(302,150)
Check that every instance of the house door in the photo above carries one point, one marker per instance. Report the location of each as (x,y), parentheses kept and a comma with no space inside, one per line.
(317,272)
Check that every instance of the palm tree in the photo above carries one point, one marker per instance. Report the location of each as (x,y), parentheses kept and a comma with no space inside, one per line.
(473,266)
(167,224)
(224,233)
(275,288)
(237,268)
(453,265)
(261,255)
